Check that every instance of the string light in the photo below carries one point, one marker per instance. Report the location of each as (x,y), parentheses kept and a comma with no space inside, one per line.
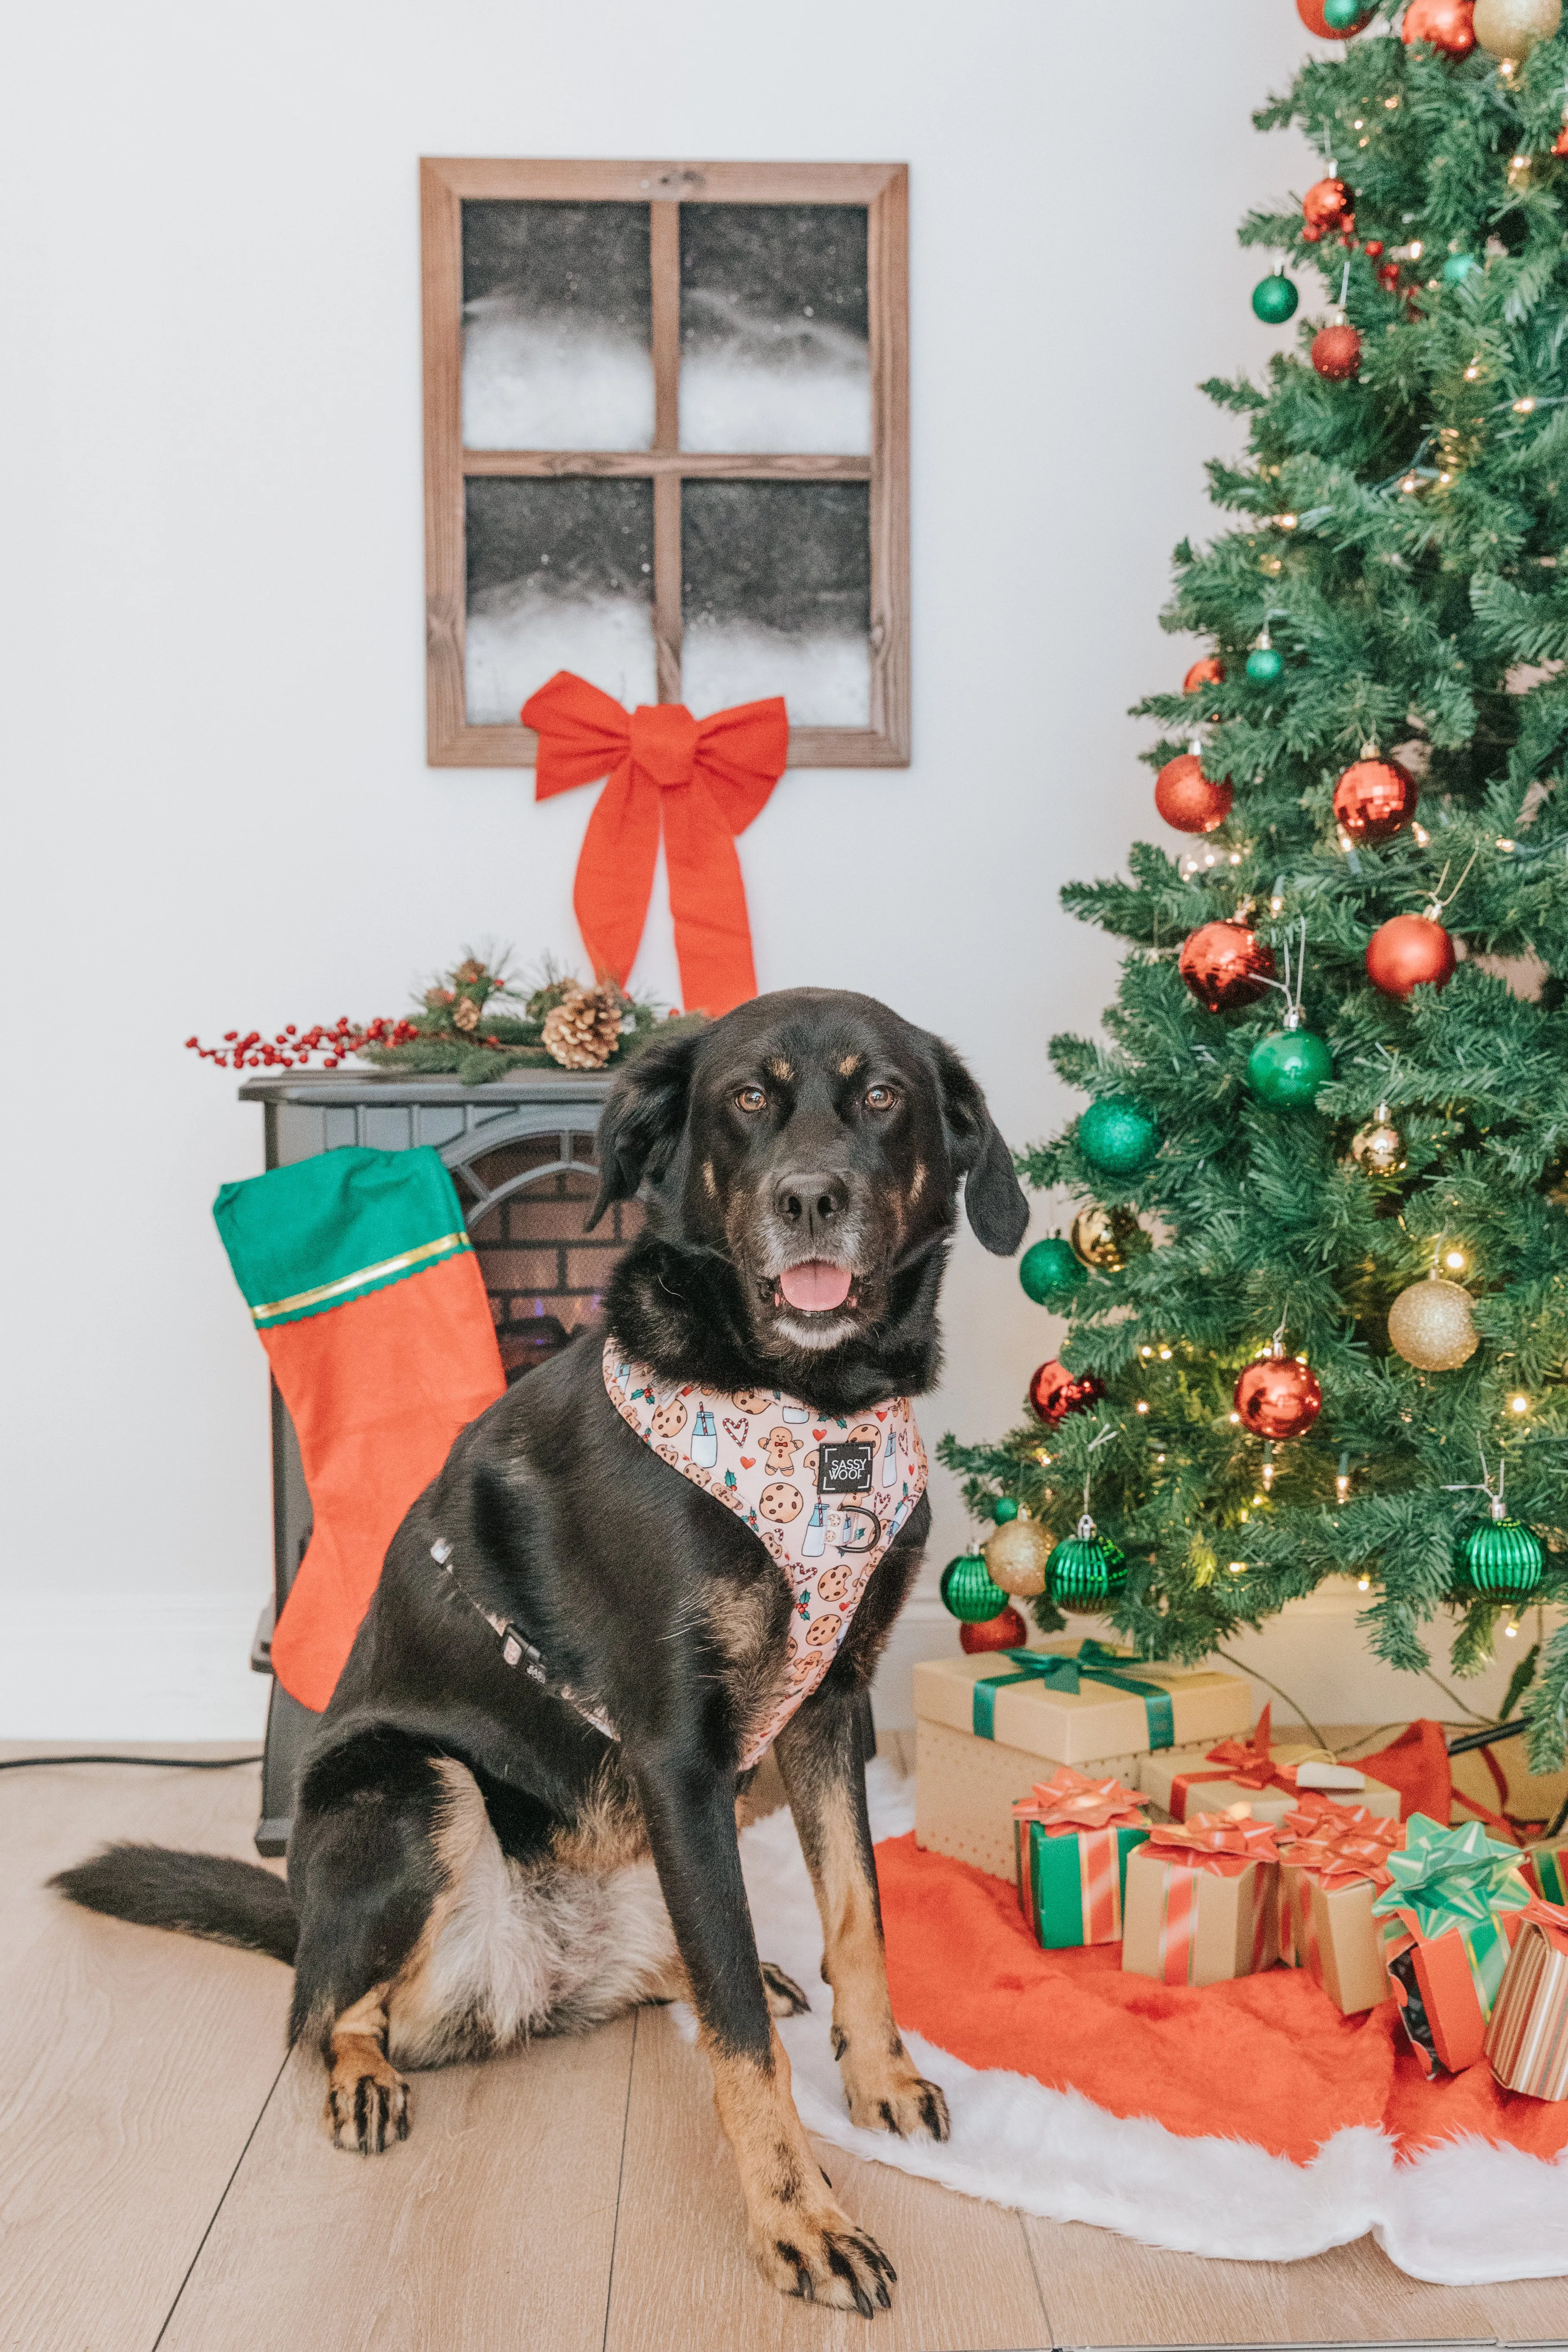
(1268,1467)
(1364,1584)
(1416,249)
(1506,846)
(1276,906)
(1523,408)
(1519,1404)
(1423,838)
(1238,1567)
(1472,371)
(1143,1405)
(1455,1260)
(1512,1630)
(1236,1418)
(1145,1353)
(1164,1354)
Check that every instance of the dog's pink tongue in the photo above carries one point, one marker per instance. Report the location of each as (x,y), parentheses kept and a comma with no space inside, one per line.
(815,1286)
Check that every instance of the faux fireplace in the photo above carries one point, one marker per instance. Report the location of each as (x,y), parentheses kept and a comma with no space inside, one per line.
(521,1155)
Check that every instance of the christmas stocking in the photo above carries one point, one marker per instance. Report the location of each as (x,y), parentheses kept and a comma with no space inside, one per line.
(368,1296)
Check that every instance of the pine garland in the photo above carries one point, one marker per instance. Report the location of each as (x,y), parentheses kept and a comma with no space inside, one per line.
(1403,537)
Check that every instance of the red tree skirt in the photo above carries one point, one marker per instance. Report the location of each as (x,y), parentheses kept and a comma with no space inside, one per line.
(1249,2120)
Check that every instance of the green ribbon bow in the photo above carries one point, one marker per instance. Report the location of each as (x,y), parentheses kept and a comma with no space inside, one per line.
(1452,1878)
(1059,1671)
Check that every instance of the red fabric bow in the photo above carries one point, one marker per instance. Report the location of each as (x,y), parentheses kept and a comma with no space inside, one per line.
(1342,1844)
(704,779)
(1217,1841)
(1071,1800)
(1552,1918)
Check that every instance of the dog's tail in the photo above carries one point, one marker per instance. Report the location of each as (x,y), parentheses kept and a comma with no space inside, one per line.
(194,1894)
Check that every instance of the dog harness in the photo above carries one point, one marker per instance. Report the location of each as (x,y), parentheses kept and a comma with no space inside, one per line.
(826,1495)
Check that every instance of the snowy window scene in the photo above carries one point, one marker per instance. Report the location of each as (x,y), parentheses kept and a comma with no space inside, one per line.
(666,446)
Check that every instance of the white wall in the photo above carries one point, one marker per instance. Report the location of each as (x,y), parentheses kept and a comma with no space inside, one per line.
(219,806)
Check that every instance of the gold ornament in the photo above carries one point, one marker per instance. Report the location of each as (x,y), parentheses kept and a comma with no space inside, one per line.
(1431,1325)
(580,1032)
(1511,28)
(1106,1238)
(1378,1147)
(1016,1556)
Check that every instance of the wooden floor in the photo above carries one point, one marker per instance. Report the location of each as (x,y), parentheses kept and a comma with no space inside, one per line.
(163,2183)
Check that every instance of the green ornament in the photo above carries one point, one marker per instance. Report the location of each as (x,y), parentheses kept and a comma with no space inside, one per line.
(1274,298)
(1458,268)
(1286,1070)
(1086,1570)
(1117,1135)
(967,1592)
(1048,1269)
(1503,1559)
(1265,665)
(1345,16)
(1003,1508)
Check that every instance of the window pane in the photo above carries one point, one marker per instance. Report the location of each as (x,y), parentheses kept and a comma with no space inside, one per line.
(560,577)
(556,333)
(774,351)
(776,597)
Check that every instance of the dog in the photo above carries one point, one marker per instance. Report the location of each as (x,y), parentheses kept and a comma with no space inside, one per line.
(482,1851)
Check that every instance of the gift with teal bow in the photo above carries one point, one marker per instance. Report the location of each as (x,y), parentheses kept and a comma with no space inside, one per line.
(1448,1921)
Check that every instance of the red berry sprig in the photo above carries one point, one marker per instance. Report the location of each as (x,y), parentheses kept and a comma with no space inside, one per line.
(292,1047)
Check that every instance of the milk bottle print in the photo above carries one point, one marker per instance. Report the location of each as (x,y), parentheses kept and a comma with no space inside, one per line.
(890,1461)
(704,1440)
(816,1534)
(796,1413)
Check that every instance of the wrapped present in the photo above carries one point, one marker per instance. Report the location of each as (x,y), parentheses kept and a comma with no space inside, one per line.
(1546,1866)
(1335,1861)
(1254,1772)
(1526,2038)
(1448,1918)
(991,1728)
(1072,1837)
(1201,1902)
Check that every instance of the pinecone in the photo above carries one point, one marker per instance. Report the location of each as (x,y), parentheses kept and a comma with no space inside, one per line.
(581,1032)
(466,1014)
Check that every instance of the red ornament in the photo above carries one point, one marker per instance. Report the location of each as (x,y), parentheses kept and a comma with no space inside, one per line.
(1374,798)
(1328,209)
(1224,965)
(1208,672)
(1005,1631)
(1311,12)
(1278,1397)
(1336,353)
(1447,24)
(1408,951)
(1388,276)
(1054,1392)
(1373,248)
(1189,799)
(1560,144)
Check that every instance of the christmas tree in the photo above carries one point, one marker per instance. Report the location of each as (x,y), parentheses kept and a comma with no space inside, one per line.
(1318,1284)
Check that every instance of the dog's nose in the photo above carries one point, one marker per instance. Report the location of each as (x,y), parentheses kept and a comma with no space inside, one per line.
(813,1203)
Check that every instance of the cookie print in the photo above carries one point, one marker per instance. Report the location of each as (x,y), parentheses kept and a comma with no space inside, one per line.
(825,1550)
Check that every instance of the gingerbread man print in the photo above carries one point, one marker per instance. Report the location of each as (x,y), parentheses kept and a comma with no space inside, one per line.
(781,1449)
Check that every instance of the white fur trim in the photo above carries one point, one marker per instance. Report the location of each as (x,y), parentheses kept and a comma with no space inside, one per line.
(1466,2213)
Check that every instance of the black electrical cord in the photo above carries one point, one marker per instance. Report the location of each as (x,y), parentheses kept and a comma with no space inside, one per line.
(184,1763)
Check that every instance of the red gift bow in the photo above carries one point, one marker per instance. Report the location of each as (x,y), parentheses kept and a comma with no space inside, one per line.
(1071,1800)
(1247,1763)
(1552,1918)
(1342,1844)
(704,781)
(1217,1841)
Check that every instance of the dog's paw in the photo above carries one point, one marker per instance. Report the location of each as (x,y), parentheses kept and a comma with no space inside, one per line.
(885,2094)
(824,2258)
(785,1997)
(367,2105)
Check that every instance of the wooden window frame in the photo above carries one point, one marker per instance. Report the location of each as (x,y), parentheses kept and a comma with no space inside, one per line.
(883,188)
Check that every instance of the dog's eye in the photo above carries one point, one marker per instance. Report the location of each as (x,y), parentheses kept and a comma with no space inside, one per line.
(751,1099)
(880,1098)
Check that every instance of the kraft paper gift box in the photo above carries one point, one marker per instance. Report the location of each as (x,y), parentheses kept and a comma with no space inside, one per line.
(1546,1866)
(990,1727)
(1202,1901)
(1271,1781)
(1073,1836)
(1334,1863)
(1448,1918)
(1527,2039)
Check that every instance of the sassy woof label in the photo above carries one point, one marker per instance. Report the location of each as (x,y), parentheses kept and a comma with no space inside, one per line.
(826,1495)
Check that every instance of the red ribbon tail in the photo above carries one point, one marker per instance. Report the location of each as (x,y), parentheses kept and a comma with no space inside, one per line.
(707,902)
(615,873)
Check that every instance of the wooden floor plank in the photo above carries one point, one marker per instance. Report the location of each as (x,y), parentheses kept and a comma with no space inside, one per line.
(684,2280)
(490,2227)
(133,2064)
(1107,2290)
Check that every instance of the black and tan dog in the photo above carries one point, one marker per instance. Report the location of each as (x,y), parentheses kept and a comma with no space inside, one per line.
(472,1861)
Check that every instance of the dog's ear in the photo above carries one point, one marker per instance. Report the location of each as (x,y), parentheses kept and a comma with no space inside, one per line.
(994,1199)
(642,1123)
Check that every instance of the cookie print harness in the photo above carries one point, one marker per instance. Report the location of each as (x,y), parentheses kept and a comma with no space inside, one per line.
(825,1493)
